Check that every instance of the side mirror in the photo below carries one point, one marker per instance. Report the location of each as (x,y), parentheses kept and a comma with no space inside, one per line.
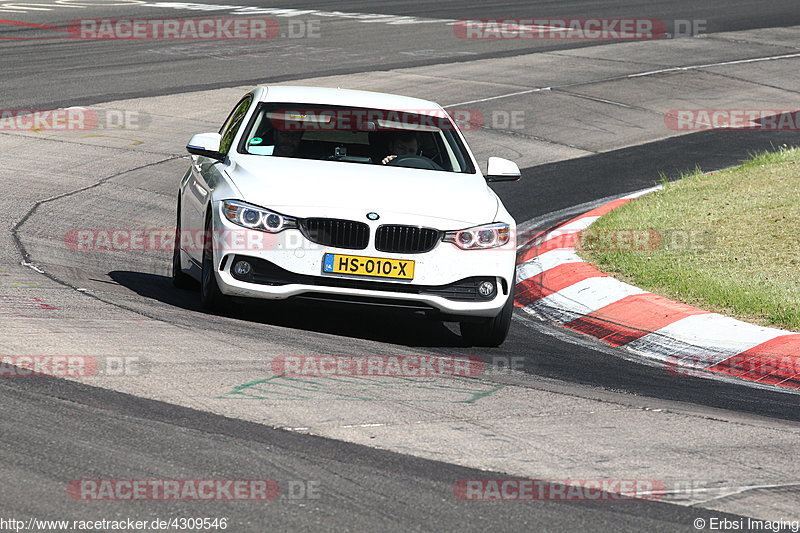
(500,169)
(206,145)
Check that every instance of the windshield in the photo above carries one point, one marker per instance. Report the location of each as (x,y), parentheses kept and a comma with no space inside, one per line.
(413,139)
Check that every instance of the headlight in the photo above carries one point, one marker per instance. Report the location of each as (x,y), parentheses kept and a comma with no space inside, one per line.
(479,237)
(253,217)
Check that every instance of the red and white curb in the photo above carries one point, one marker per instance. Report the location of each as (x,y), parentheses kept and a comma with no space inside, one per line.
(554,283)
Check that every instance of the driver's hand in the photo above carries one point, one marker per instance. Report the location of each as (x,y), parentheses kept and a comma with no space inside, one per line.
(387,159)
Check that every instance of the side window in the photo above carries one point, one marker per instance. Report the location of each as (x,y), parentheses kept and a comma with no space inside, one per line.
(233,123)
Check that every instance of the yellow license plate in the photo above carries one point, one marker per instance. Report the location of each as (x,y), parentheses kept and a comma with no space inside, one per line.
(368,266)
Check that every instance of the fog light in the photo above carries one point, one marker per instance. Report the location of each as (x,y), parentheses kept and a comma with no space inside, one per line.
(242,268)
(486,289)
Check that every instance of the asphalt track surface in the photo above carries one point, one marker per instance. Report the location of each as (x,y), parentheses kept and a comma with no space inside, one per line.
(87,72)
(56,431)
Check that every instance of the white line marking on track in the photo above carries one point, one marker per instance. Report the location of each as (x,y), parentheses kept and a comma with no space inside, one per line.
(32,267)
(636,75)
(499,96)
(709,65)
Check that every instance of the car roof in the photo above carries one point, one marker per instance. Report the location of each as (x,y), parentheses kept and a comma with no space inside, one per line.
(343,97)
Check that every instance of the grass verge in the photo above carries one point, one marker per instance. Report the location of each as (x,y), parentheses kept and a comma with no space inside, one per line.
(727,242)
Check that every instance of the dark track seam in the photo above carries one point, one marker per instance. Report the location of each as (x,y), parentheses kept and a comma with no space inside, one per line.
(26,256)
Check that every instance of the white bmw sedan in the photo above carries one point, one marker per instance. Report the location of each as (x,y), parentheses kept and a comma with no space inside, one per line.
(347,197)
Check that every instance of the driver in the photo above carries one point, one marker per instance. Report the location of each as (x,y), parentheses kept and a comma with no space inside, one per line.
(401,143)
(287,143)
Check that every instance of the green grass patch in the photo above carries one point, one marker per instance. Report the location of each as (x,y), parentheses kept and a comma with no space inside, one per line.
(727,242)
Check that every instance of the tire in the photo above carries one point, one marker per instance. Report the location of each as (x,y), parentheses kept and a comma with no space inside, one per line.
(211,298)
(180,279)
(492,331)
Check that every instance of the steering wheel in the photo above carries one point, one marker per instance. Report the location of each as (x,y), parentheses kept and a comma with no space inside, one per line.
(414,161)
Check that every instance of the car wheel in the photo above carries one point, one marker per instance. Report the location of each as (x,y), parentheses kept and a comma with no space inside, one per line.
(180,279)
(211,298)
(490,332)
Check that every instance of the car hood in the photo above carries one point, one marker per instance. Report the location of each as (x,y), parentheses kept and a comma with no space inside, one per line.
(304,188)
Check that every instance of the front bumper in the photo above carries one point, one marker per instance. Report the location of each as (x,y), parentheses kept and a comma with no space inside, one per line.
(267,280)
